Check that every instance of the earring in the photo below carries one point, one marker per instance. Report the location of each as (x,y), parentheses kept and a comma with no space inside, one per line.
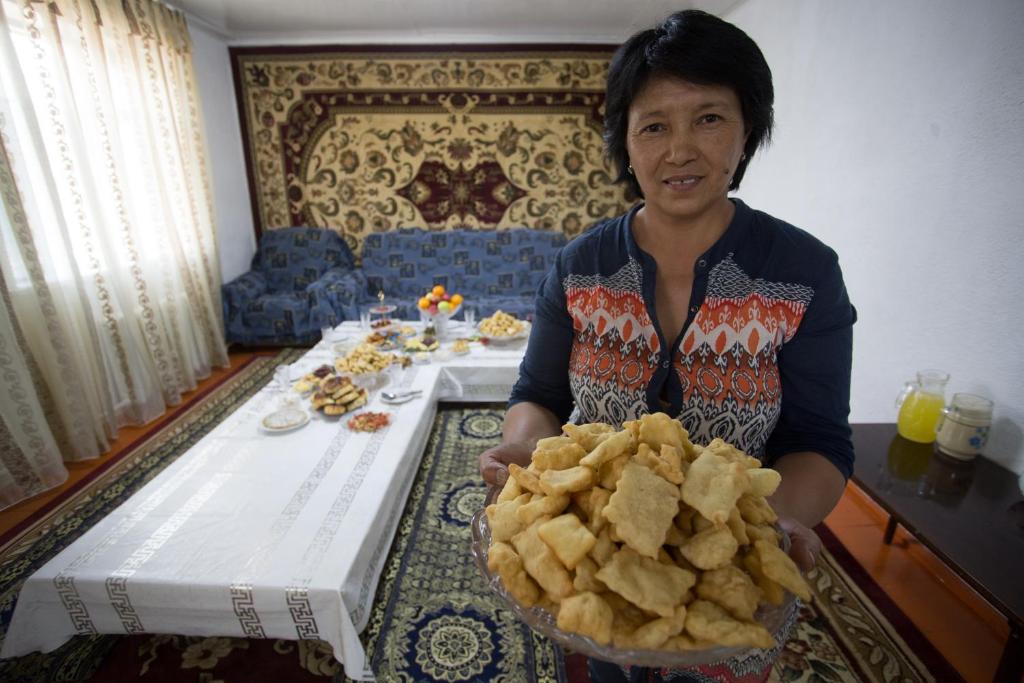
(629,168)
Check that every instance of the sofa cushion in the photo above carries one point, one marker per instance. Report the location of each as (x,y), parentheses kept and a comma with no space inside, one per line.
(407,262)
(520,306)
(293,258)
(284,314)
(502,262)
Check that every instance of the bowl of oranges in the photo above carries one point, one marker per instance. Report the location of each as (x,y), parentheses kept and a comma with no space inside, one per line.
(437,307)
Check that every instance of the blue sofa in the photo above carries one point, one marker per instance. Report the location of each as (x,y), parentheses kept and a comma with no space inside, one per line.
(298,279)
(492,269)
(304,278)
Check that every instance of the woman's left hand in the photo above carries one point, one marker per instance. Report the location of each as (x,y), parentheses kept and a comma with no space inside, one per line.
(805,546)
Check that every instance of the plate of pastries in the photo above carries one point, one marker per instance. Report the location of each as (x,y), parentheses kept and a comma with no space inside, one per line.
(637,546)
(337,395)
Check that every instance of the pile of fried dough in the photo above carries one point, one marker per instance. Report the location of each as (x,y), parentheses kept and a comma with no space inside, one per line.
(501,324)
(364,359)
(641,540)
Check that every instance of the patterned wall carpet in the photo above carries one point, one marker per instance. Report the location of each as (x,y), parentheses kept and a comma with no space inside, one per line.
(433,617)
(365,140)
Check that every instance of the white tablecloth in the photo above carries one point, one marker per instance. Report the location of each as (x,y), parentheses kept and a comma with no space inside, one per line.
(256,535)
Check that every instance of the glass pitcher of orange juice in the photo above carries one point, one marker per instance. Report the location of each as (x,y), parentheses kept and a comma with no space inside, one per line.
(921,405)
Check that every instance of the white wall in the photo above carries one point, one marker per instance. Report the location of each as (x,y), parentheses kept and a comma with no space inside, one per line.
(235,236)
(900,143)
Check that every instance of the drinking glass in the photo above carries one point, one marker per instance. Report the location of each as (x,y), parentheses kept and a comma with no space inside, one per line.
(283,377)
(469,315)
(364,318)
(283,387)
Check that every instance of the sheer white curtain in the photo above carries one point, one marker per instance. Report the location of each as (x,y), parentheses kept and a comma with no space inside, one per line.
(107,245)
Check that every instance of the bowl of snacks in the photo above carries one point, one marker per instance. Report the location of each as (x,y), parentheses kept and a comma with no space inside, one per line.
(366,364)
(503,328)
(388,340)
(637,547)
(460,347)
(424,343)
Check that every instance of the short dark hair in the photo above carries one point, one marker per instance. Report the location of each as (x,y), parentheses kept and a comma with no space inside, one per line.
(696,47)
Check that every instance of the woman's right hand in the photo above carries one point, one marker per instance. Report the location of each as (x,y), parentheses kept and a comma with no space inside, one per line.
(494,462)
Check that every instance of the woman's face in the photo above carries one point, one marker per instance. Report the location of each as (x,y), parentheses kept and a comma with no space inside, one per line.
(684,142)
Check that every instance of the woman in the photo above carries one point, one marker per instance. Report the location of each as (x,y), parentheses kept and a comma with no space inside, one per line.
(692,303)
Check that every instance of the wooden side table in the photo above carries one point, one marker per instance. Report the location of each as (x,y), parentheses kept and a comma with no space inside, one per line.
(971,515)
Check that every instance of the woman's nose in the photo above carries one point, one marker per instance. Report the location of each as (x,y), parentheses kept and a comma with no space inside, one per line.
(681,146)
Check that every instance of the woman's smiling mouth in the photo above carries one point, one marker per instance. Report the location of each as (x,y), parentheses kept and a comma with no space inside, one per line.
(682,182)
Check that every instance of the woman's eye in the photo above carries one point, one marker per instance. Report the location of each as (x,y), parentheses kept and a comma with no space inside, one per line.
(652,128)
(710,118)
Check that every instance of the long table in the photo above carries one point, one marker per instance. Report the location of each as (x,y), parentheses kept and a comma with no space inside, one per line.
(257,535)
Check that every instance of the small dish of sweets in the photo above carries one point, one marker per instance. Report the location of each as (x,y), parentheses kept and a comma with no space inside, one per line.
(369,421)
(310,380)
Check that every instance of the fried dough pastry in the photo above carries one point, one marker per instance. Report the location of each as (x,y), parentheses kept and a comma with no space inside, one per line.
(640,539)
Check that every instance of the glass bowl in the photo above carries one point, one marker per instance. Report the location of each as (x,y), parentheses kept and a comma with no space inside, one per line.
(371,381)
(771,617)
(521,334)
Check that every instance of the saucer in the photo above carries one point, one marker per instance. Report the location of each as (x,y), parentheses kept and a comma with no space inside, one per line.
(284,420)
(343,346)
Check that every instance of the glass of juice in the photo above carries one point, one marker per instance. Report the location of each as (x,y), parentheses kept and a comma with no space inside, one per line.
(920,406)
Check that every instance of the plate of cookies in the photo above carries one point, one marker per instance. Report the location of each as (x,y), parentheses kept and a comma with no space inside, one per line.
(638,547)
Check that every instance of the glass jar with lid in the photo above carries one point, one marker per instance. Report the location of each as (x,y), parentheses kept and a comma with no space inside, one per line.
(963,429)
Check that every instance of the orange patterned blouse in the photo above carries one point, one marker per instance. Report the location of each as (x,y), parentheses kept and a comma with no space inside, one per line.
(763,359)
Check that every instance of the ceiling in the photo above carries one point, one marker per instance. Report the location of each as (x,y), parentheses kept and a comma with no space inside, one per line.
(433,21)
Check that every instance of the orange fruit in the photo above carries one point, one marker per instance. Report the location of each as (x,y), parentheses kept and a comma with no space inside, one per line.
(424,303)
(456,299)
(438,290)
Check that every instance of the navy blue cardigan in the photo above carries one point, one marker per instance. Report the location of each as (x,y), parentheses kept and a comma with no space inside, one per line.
(763,359)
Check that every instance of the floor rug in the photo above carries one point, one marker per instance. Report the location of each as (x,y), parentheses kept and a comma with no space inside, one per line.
(433,617)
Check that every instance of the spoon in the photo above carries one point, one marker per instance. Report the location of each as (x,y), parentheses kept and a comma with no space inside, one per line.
(398,399)
(400,395)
